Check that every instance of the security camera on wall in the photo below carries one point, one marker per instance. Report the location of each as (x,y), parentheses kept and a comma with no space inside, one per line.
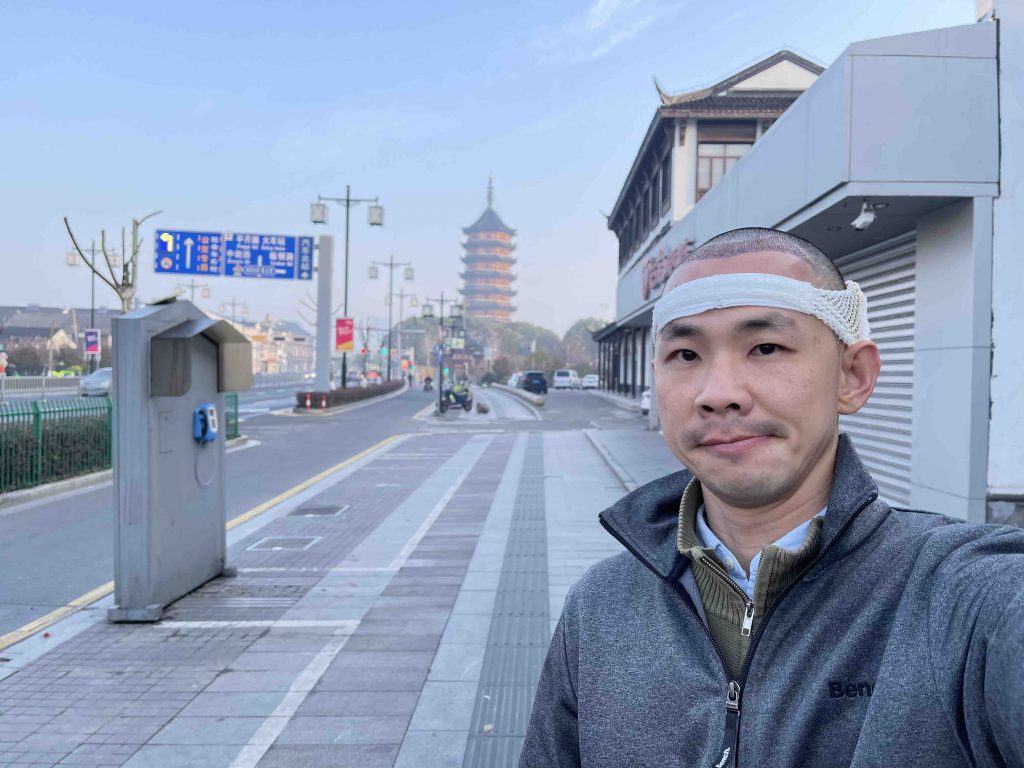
(865,219)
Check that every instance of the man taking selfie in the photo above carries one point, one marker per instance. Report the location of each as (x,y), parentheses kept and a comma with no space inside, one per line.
(770,609)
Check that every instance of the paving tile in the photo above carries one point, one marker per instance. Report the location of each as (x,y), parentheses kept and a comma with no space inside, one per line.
(283,661)
(467,629)
(393,660)
(344,730)
(332,756)
(444,706)
(368,642)
(437,749)
(208,730)
(238,704)
(183,756)
(374,679)
(242,682)
(457,663)
(359,703)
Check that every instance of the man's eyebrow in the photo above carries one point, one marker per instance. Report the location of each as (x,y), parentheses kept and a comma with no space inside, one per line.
(679,331)
(770,322)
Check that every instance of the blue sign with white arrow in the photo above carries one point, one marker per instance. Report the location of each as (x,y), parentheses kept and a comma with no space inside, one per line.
(277,257)
(192,253)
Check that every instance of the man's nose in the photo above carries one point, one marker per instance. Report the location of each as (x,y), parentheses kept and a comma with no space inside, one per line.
(724,388)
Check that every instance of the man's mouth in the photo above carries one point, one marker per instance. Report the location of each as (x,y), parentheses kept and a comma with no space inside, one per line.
(734,444)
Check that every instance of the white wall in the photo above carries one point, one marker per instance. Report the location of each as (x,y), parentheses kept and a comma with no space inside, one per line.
(784,76)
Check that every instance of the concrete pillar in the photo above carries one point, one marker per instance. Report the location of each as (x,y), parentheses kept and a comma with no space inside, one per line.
(324,332)
(1006,427)
(952,352)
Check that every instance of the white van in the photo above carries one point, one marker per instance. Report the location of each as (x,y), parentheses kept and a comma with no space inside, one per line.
(566,378)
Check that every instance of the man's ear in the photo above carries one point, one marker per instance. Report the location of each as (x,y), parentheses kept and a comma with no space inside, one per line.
(858,373)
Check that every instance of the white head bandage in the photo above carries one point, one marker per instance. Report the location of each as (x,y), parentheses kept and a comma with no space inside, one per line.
(845,312)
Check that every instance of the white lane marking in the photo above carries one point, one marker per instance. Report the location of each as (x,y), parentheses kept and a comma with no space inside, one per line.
(414,540)
(300,688)
(272,727)
(249,443)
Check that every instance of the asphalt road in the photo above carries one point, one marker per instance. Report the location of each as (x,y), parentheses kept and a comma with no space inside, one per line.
(56,549)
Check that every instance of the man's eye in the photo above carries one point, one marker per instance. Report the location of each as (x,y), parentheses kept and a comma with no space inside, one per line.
(686,354)
(766,349)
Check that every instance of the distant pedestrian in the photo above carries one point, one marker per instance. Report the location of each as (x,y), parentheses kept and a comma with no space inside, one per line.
(771,610)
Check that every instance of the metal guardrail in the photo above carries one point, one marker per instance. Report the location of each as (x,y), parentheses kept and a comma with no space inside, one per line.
(43,441)
(39,385)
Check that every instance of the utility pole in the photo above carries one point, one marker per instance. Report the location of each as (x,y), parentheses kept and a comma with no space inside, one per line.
(391,265)
(318,214)
(402,296)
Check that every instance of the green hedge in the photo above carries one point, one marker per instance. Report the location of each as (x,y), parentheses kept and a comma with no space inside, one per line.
(318,400)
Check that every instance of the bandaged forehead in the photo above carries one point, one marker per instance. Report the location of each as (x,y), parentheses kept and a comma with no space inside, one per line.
(845,312)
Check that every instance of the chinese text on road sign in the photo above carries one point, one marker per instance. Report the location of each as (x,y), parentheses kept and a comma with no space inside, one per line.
(234,254)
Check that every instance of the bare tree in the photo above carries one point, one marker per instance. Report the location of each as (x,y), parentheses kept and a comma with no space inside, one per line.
(126,286)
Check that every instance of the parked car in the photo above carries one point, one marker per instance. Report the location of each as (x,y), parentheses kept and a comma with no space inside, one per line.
(645,402)
(534,381)
(97,383)
(591,381)
(566,378)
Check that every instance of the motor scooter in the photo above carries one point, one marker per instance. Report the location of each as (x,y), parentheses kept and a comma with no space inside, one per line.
(460,396)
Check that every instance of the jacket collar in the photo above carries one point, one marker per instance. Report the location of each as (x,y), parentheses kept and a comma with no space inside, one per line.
(646,520)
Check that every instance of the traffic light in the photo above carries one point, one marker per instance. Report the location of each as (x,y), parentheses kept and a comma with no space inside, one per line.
(445,370)
(383,350)
(364,351)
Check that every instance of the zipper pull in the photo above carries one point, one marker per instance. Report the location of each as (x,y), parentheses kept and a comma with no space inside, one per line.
(731,741)
(732,698)
(748,619)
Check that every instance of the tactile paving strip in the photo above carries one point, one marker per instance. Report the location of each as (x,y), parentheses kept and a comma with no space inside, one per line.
(519,634)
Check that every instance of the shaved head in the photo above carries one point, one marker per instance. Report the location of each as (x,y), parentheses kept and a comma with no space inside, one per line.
(823,272)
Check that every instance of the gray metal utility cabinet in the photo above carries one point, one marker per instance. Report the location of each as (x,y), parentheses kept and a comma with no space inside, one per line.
(170,360)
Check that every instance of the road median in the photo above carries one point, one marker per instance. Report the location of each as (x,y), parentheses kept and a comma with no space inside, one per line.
(535,400)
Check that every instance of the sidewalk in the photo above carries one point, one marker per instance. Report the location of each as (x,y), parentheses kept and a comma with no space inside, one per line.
(399,617)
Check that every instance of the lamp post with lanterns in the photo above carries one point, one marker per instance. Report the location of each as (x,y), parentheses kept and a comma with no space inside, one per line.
(428,312)
(318,215)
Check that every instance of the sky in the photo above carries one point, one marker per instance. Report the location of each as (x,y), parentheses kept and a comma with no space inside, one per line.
(234,116)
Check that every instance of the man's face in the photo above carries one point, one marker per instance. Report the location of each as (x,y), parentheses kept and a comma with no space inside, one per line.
(748,396)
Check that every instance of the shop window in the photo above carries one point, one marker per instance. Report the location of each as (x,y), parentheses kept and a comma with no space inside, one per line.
(713,160)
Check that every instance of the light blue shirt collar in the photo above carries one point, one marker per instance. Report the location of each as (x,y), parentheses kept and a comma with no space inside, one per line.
(792,540)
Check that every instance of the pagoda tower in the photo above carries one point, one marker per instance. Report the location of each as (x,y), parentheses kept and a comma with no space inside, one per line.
(488,261)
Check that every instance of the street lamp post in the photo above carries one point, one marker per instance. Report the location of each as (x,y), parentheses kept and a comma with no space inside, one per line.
(318,215)
(428,312)
(391,265)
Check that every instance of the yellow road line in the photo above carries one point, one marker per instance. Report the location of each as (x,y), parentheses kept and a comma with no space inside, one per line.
(17,635)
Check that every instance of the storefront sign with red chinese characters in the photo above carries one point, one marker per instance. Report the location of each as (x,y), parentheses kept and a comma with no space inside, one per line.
(659,266)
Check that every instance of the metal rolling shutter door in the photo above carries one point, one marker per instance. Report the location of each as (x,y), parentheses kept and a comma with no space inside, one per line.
(883,429)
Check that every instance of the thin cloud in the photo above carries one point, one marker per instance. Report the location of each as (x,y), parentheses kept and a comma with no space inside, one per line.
(602,11)
(603,27)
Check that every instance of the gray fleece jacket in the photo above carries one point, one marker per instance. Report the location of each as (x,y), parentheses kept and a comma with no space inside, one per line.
(901,645)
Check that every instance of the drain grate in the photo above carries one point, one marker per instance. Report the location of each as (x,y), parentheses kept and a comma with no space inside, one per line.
(318,510)
(278,543)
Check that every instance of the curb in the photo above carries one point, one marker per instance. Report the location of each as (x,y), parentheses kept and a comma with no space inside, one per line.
(624,477)
(297,411)
(14,498)
(536,400)
(617,400)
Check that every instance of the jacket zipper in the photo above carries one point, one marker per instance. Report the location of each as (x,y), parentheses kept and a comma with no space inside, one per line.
(731,740)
